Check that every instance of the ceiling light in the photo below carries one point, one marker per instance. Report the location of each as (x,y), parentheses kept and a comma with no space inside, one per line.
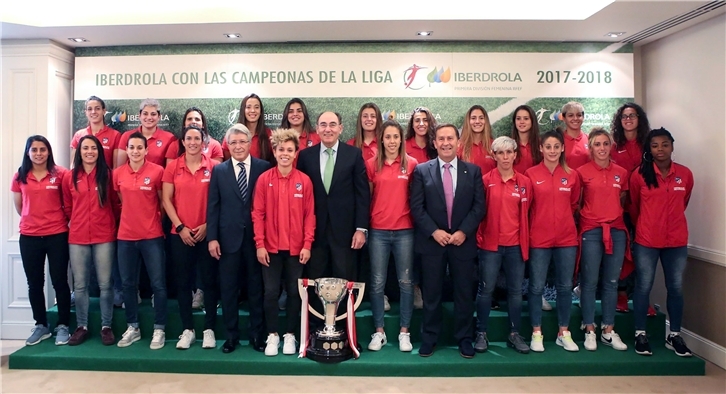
(232,35)
(424,33)
(614,34)
(78,39)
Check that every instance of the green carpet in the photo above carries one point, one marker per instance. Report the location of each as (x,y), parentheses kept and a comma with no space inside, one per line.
(446,361)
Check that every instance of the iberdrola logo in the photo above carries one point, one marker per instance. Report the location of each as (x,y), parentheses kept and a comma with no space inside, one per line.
(118,117)
(413,76)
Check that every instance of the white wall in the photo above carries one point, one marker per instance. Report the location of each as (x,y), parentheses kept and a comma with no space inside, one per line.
(37,80)
(684,88)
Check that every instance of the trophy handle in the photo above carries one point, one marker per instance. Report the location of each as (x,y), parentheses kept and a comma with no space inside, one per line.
(361,288)
(303,289)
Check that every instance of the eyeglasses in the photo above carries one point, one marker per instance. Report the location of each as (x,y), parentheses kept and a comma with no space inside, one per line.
(332,125)
(628,116)
(236,143)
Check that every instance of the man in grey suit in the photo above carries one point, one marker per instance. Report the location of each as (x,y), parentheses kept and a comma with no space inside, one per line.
(230,235)
(447,205)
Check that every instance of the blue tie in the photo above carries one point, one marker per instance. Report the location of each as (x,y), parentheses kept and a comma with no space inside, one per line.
(242,181)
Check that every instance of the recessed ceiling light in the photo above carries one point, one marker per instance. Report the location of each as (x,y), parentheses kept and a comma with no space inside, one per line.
(78,39)
(232,35)
(614,34)
(424,33)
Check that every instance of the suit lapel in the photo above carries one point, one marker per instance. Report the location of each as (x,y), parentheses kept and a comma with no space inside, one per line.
(436,177)
(461,178)
(314,164)
(340,160)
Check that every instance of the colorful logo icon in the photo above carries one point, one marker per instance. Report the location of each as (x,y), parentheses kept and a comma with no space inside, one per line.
(412,77)
(118,117)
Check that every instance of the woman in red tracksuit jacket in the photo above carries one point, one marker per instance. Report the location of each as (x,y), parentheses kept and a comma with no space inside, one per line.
(283,216)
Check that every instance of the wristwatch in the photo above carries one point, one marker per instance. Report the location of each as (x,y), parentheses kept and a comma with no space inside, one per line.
(179,228)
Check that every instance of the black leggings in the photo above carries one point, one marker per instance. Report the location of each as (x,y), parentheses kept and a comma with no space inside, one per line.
(272,276)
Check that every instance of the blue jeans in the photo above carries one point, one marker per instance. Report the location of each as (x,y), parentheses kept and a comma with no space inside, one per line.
(130,254)
(382,243)
(593,257)
(509,257)
(83,257)
(674,263)
(539,262)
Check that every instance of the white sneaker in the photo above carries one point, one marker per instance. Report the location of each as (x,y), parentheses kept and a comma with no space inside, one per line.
(198,299)
(537,344)
(417,298)
(158,340)
(613,339)
(565,340)
(273,343)
(404,342)
(186,339)
(209,341)
(591,341)
(378,339)
(546,305)
(289,344)
(386,304)
(130,336)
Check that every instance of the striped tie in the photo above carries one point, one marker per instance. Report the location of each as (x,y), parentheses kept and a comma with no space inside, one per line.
(242,181)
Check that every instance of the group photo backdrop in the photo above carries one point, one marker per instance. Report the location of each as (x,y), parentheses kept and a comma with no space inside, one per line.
(446,78)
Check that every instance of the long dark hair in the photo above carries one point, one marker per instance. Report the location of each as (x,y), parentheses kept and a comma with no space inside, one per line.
(619,132)
(307,126)
(411,133)
(182,149)
(263,140)
(103,172)
(203,129)
(381,157)
(27,165)
(533,134)
(646,166)
(359,125)
(559,136)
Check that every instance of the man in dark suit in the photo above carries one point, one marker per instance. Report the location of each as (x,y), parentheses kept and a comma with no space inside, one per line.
(447,205)
(230,236)
(342,200)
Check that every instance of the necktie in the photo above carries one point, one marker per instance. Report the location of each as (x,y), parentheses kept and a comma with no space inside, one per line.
(242,181)
(448,191)
(328,173)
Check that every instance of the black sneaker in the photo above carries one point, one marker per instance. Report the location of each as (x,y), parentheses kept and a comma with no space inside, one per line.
(641,345)
(678,345)
(516,342)
(482,342)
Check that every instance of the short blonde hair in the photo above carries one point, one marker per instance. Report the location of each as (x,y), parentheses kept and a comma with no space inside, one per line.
(503,143)
(572,107)
(281,136)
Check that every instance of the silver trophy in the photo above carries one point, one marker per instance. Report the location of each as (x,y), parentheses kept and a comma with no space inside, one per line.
(330,344)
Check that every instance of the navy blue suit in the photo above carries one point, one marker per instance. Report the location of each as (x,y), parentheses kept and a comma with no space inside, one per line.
(428,209)
(229,221)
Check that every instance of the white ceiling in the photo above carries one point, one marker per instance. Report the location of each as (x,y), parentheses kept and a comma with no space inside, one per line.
(620,16)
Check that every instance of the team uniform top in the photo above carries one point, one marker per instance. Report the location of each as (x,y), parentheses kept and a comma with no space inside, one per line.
(90,223)
(601,188)
(284,212)
(660,212)
(308,139)
(524,158)
(507,204)
(213,150)
(159,144)
(369,150)
(554,199)
(390,209)
(576,152)
(190,190)
(42,212)
(628,156)
(140,206)
(415,151)
(478,157)
(109,140)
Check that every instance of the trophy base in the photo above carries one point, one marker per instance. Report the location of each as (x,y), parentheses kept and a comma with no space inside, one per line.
(329,349)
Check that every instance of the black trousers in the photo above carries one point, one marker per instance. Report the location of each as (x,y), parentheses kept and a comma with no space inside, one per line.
(33,251)
(281,263)
(185,260)
(463,274)
(233,266)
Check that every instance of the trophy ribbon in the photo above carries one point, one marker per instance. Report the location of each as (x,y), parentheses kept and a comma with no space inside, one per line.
(304,321)
(352,337)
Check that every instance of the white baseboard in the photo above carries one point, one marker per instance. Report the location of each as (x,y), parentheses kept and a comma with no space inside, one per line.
(16,330)
(702,347)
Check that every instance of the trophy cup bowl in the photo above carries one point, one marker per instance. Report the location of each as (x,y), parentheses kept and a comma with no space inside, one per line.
(329,344)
